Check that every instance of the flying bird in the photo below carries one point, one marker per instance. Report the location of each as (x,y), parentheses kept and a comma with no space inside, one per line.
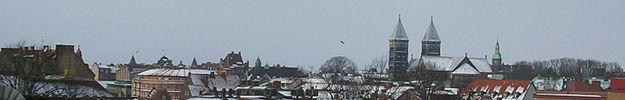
(342,42)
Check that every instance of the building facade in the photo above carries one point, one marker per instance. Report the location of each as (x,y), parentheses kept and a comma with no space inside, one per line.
(175,81)
(398,53)
(431,43)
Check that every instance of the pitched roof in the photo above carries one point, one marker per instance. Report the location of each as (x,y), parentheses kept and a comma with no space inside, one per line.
(431,34)
(399,33)
(500,86)
(446,63)
(579,84)
(173,72)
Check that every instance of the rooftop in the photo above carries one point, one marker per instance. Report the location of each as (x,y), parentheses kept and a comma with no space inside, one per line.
(174,72)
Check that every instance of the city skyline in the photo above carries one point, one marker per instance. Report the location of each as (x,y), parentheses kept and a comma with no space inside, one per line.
(308,33)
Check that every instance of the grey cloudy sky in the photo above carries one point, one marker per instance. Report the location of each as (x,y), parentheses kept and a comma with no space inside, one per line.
(307,32)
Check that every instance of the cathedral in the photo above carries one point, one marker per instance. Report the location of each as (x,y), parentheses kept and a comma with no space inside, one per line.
(454,70)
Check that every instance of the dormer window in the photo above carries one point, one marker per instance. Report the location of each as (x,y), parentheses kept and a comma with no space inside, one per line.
(493,94)
(505,95)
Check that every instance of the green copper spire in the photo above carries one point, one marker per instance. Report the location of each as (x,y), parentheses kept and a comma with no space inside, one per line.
(497,55)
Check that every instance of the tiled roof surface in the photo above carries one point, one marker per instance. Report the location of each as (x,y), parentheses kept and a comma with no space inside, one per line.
(580,84)
(500,86)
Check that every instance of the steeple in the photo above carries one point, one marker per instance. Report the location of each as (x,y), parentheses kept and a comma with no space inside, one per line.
(194,63)
(399,33)
(431,34)
(497,54)
(431,43)
(258,63)
(496,61)
(398,52)
(132,60)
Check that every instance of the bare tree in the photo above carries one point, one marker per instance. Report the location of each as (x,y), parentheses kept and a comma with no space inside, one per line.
(427,74)
(22,68)
(378,64)
(338,64)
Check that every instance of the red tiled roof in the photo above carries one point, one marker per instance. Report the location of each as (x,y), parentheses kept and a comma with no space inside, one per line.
(579,84)
(490,85)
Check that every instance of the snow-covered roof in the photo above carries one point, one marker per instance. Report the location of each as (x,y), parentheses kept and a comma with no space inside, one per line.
(465,69)
(103,66)
(445,63)
(399,33)
(174,72)
(221,82)
(60,88)
(105,83)
(396,92)
(315,83)
(497,86)
(431,34)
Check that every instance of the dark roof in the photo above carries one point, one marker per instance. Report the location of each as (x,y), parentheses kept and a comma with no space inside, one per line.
(273,71)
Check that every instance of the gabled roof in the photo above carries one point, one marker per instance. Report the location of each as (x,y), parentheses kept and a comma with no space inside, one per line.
(579,84)
(399,33)
(500,86)
(446,63)
(431,34)
(465,67)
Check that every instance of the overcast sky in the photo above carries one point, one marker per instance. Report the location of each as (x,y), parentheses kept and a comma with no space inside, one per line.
(307,32)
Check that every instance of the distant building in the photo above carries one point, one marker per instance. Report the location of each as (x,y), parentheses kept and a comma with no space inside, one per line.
(104,72)
(398,53)
(176,81)
(63,71)
(65,61)
(617,89)
(234,63)
(458,71)
(402,93)
(276,71)
(122,85)
(578,88)
(164,62)
(483,89)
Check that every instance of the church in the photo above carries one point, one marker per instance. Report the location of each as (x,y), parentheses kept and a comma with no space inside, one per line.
(454,71)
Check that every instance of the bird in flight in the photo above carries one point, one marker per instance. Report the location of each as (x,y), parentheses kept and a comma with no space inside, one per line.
(342,42)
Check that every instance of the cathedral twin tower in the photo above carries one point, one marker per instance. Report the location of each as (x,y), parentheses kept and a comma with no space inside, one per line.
(398,48)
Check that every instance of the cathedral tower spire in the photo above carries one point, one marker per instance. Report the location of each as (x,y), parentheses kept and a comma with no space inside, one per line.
(398,52)
(431,43)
